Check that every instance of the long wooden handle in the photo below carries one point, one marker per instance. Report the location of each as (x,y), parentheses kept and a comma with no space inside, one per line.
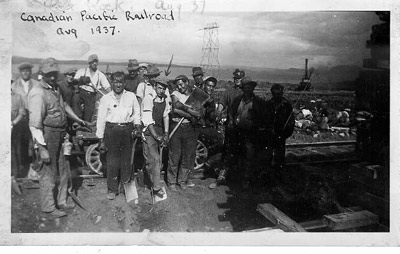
(176,128)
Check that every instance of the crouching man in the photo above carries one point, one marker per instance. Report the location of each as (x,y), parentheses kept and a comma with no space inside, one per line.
(118,116)
(48,122)
(155,119)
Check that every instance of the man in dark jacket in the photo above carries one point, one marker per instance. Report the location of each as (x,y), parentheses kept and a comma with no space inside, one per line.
(248,119)
(280,123)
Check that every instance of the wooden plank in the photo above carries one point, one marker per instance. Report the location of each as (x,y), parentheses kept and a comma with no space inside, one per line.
(268,229)
(315,144)
(280,219)
(348,220)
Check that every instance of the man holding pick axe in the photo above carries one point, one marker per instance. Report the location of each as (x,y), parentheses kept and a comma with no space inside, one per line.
(155,119)
(91,80)
(118,117)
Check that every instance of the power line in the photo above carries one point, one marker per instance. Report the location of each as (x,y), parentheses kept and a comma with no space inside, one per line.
(210,58)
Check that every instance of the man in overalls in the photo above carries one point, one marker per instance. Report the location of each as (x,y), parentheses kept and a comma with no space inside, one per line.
(155,119)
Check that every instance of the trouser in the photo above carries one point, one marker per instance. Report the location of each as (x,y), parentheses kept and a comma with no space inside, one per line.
(118,141)
(21,148)
(232,149)
(58,166)
(182,153)
(249,156)
(88,99)
(276,152)
(153,160)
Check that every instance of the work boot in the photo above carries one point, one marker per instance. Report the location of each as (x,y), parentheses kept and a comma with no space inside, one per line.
(110,196)
(190,184)
(57,213)
(172,187)
(68,205)
(183,185)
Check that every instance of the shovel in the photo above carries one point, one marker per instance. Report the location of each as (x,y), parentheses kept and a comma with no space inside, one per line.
(155,198)
(130,187)
(73,196)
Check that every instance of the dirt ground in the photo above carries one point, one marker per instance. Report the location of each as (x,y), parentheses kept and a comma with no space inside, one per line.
(199,209)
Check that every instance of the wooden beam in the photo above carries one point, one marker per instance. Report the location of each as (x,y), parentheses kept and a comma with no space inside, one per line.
(315,144)
(280,219)
(348,220)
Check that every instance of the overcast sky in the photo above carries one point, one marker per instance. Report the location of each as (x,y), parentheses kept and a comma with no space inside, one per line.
(267,39)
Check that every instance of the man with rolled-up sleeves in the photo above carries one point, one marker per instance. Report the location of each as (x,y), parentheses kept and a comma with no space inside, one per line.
(118,117)
(48,122)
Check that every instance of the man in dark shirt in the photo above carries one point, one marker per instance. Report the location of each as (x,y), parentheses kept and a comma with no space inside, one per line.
(133,79)
(247,116)
(198,77)
(280,125)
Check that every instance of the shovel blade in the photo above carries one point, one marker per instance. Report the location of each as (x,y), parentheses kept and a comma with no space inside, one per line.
(130,191)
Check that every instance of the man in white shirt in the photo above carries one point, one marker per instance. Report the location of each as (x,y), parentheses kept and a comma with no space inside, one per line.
(91,80)
(22,138)
(118,116)
(155,119)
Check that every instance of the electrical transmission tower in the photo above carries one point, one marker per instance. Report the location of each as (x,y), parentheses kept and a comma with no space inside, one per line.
(210,58)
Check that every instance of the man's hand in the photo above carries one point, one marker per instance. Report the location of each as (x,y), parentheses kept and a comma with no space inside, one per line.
(102,147)
(137,132)
(44,154)
(165,140)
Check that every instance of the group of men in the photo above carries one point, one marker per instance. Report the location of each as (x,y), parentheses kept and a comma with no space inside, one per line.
(144,105)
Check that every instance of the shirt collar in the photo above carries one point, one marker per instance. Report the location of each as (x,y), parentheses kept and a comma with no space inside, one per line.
(26,83)
(113,94)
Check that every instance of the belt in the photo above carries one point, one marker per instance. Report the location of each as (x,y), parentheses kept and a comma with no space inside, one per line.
(119,124)
(86,91)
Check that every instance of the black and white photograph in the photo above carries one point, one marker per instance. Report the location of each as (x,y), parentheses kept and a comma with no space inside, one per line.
(200,117)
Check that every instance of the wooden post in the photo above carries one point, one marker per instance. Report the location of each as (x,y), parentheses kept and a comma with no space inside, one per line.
(280,219)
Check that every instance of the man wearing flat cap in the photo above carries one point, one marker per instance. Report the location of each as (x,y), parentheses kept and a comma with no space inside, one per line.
(20,135)
(182,148)
(47,122)
(91,81)
(280,125)
(155,119)
(247,116)
(198,74)
(147,86)
(133,79)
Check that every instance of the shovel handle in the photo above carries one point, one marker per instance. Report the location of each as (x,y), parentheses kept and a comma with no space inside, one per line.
(176,128)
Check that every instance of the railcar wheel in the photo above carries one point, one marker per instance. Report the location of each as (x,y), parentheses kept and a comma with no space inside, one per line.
(201,155)
(92,158)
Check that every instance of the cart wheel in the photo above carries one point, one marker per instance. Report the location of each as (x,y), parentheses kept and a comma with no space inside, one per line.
(92,158)
(201,155)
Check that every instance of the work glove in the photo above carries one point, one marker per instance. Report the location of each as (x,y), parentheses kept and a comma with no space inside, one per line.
(102,147)
(44,154)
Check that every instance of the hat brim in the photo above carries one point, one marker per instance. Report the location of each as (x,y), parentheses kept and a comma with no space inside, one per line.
(211,79)
(25,66)
(49,69)
(152,74)
(133,68)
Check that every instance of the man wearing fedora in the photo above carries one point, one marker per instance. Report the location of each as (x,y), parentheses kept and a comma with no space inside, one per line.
(91,80)
(155,118)
(247,116)
(118,117)
(133,79)
(198,74)
(47,122)
(21,136)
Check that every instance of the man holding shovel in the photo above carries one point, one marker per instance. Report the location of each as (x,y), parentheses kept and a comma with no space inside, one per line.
(118,116)
(47,122)
(155,119)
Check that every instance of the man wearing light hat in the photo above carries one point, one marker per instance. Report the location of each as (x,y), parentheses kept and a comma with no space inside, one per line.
(91,81)
(47,122)
(247,116)
(21,136)
(155,118)
(198,74)
(133,79)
